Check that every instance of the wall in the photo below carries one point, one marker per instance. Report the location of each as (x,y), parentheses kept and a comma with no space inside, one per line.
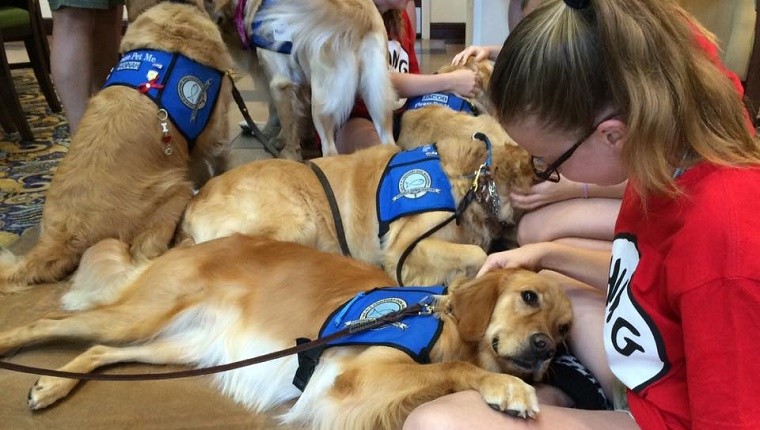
(486,22)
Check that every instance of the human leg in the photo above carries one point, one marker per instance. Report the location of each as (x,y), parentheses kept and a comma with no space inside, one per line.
(71,59)
(586,342)
(592,219)
(357,133)
(105,44)
(467,410)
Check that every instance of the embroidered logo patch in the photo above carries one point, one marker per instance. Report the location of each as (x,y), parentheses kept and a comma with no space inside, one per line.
(192,92)
(381,308)
(414,184)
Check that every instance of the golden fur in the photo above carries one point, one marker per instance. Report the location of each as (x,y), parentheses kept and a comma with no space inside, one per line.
(432,123)
(340,51)
(283,199)
(239,297)
(116,181)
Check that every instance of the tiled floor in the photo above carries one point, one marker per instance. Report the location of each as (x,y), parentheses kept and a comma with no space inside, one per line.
(431,54)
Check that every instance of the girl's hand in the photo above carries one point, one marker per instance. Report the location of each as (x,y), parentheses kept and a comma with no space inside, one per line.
(544,193)
(526,257)
(478,52)
(464,82)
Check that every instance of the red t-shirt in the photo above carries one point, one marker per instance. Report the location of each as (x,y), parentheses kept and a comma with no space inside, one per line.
(683,305)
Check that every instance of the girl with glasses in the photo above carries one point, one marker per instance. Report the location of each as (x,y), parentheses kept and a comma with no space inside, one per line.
(678,325)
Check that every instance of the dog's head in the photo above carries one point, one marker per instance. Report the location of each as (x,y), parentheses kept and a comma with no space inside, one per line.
(483,69)
(516,317)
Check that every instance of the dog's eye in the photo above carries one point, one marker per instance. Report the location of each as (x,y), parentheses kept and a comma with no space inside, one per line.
(563,329)
(530,297)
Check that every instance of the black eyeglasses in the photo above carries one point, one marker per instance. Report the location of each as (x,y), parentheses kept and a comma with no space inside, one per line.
(548,172)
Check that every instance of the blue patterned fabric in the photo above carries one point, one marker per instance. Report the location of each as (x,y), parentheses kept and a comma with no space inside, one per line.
(268,33)
(187,89)
(450,100)
(413,182)
(414,334)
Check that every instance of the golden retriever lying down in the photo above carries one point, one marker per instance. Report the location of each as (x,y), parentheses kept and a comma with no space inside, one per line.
(339,51)
(284,200)
(240,297)
(124,177)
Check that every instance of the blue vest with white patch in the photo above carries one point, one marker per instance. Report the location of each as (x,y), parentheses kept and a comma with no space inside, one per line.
(450,100)
(269,33)
(413,182)
(187,89)
(415,334)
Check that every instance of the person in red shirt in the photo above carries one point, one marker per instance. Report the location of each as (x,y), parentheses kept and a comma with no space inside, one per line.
(604,91)
(359,132)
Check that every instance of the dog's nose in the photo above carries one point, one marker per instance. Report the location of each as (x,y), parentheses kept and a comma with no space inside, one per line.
(543,346)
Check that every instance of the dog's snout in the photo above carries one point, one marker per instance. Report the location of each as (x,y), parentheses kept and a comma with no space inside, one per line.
(543,345)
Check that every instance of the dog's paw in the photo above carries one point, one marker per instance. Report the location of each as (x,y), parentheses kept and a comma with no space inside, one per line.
(48,390)
(510,395)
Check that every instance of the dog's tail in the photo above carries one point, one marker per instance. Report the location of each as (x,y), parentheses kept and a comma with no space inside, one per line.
(105,270)
(345,46)
(50,260)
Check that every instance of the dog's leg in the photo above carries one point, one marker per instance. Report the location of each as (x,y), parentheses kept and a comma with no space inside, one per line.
(333,93)
(47,390)
(284,94)
(161,225)
(380,394)
(452,260)
(375,86)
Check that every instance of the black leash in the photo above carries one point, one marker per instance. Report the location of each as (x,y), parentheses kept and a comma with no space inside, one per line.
(339,231)
(257,133)
(463,205)
(460,209)
(357,327)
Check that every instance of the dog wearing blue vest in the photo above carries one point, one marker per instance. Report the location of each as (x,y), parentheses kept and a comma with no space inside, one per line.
(382,205)
(240,297)
(145,142)
(318,56)
(431,117)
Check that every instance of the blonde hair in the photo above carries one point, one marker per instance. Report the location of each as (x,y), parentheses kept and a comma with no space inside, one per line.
(640,57)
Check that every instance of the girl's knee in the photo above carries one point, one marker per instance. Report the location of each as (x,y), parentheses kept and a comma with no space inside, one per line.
(431,415)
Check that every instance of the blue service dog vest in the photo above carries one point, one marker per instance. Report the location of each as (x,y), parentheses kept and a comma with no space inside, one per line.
(268,33)
(413,182)
(450,100)
(187,89)
(414,334)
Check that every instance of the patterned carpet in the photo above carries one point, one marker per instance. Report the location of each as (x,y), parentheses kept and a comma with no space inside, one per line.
(26,169)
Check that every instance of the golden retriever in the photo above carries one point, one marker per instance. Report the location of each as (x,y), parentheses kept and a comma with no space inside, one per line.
(284,200)
(434,122)
(239,297)
(339,51)
(128,174)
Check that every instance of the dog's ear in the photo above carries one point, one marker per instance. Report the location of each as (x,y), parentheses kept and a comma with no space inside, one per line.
(473,302)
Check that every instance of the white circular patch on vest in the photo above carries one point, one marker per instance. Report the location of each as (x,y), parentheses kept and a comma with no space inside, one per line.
(192,92)
(382,307)
(414,184)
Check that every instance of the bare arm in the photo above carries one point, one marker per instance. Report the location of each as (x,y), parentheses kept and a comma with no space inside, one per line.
(586,265)
(462,82)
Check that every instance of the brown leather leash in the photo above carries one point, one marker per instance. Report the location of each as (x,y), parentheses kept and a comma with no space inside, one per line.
(354,328)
